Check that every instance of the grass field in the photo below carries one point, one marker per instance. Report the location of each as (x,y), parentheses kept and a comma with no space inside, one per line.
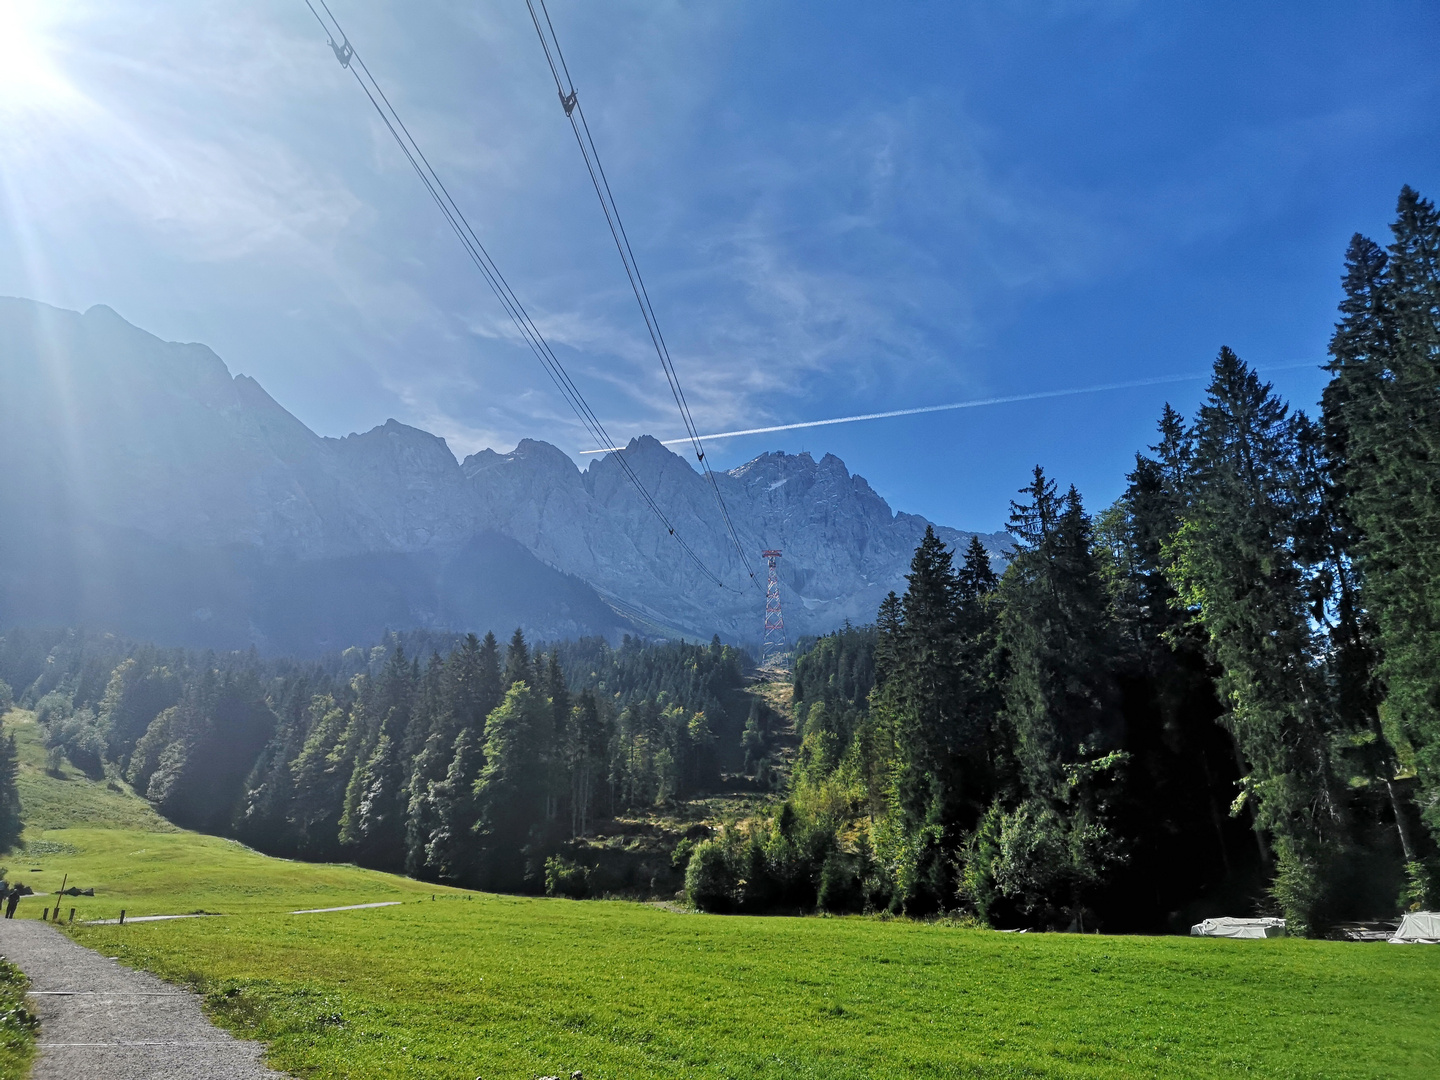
(474,985)
(17,1024)
(100,835)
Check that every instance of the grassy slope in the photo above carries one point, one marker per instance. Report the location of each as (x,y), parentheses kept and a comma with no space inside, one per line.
(110,839)
(513,987)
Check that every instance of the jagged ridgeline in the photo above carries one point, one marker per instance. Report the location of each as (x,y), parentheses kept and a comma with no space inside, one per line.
(450,758)
(1218,695)
(147,491)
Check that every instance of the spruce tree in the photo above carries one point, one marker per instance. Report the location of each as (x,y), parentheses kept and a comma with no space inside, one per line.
(376,828)
(1056,840)
(517,663)
(1238,565)
(1382,423)
(586,746)
(320,772)
(553,740)
(452,852)
(487,688)
(11,824)
(510,792)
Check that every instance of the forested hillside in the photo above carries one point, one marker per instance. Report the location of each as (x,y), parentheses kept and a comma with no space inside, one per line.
(467,762)
(1220,693)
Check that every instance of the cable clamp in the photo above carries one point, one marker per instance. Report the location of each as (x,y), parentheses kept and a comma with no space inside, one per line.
(568,101)
(343,52)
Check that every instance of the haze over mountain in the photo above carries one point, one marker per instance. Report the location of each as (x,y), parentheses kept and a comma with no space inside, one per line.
(146,489)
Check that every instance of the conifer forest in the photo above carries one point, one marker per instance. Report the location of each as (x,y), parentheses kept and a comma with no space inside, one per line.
(1218,695)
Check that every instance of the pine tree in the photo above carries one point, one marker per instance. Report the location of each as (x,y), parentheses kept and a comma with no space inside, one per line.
(320,772)
(1055,630)
(11,824)
(428,742)
(487,690)
(517,663)
(1238,566)
(587,740)
(1382,424)
(453,848)
(1060,704)
(557,783)
(376,828)
(510,792)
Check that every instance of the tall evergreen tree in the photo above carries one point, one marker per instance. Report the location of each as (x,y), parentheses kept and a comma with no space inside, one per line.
(375,831)
(1061,707)
(1382,423)
(319,774)
(553,739)
(587,740)
(452,853)
(517,663)
(11,811)
(1239,565)
(510,792)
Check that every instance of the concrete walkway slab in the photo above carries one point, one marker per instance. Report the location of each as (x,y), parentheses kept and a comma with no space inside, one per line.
(347,907)
(99,1018)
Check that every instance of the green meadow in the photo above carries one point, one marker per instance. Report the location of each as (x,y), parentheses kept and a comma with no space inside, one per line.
(467,985)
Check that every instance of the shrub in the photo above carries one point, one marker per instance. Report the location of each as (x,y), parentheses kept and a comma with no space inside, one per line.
(681,855)
(1420,892)
(566,878)
(839,889)
(709,882)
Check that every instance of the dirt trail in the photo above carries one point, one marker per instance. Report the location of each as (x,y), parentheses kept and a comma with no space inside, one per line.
(101,1019)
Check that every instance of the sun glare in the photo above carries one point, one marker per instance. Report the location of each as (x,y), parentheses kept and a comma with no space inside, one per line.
(28,77)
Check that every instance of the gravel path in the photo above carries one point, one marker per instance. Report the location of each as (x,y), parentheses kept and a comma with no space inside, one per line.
(101,1019)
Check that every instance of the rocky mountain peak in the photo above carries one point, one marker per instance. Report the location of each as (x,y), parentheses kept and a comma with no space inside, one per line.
(176,450)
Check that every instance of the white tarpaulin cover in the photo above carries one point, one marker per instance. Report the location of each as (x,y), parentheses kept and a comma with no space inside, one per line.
(1239,928)
(1418,928)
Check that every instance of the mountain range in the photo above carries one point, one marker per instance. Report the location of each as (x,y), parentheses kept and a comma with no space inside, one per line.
(146,489)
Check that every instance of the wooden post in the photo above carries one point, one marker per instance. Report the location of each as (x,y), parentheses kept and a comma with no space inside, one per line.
(45,915)
(122,916)
(72,917)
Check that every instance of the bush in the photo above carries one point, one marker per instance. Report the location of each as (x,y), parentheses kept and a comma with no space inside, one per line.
(681,855)
(1301,889)
(839,889)
(1420,892)
(53,706)
(566,878)
(709,882)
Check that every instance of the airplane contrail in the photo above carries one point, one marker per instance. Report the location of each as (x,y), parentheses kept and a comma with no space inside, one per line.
(977,403)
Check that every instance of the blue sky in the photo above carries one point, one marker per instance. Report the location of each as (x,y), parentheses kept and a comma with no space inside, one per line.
(839,208)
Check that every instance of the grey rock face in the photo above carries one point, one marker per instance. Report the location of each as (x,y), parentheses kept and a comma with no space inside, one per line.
(844,548)
(105,426)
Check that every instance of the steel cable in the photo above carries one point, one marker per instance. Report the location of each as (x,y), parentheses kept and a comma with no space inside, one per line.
(570,102)
(351,61)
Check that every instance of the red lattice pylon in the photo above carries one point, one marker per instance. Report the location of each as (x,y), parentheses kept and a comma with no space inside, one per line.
(774,621)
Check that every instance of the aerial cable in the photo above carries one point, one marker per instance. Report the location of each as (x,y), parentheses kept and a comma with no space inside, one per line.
(350,60)
(575,113)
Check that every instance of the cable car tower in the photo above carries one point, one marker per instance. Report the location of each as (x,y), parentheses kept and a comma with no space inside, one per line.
(774,621)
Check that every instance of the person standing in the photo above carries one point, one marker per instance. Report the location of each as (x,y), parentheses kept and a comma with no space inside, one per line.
(12,902)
